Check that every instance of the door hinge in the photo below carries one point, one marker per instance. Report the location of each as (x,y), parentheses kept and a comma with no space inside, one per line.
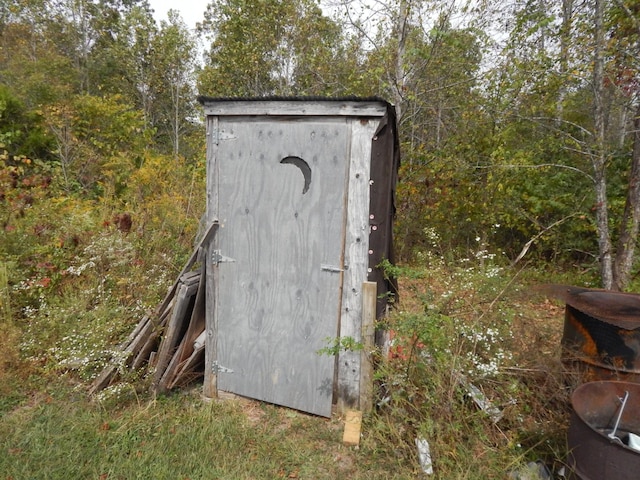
(217,257)
(216,368)
(219,135)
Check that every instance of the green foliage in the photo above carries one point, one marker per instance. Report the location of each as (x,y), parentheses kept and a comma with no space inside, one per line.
(79,276)
(169,198)
(488,153)
(21,130)
(32,65)
(340,344)
(275,47)
(99,140)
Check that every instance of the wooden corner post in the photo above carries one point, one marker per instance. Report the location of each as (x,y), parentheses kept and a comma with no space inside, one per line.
(210,387)
(369,297)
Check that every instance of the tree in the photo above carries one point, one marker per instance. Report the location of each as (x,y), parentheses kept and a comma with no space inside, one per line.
(626,27)
(274,47)
(132,57)
(98,140)
(543,71)
(31,63)
(174,57)
(21,130)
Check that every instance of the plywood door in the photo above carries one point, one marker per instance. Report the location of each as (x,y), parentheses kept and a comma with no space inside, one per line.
(281,205)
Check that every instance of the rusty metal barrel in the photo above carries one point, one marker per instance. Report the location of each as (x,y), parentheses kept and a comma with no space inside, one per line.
(605,417)
(601,336)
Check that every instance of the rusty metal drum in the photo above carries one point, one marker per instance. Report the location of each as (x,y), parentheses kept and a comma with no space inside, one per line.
(601,336)
(604,420)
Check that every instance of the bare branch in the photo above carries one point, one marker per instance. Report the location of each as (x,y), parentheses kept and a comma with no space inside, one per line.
(527,245)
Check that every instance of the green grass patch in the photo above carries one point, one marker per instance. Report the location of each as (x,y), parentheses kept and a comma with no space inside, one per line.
(62,435)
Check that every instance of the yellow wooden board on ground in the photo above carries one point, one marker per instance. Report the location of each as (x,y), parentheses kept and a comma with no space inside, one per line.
(352,426)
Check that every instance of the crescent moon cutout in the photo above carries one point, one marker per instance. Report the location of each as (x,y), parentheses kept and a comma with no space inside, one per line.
(304,168)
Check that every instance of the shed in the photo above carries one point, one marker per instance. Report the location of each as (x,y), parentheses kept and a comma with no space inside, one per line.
(302,190)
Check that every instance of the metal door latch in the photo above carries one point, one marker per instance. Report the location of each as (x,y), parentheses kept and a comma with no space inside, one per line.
(333,268)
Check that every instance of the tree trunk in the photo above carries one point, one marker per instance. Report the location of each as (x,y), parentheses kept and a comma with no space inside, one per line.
(176,119)
(565,45)
(631,219)
(599,155)
(401,26)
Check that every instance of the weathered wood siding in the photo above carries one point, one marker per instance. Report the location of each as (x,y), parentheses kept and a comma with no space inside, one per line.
(356,257)
(281,293)
(289,183)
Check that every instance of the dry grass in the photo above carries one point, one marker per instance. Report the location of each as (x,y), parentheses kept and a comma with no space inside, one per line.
(516,340)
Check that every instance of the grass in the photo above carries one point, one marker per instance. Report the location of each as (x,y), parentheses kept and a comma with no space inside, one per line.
(63,436)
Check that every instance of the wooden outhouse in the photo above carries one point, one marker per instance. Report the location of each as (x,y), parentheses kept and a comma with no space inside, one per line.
(302,190)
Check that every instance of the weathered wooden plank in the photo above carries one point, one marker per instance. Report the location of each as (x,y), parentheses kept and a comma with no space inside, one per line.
(169,334)
(190,278)
(141,341)
(192,290)
(186,369)
(150,344)
(357,257)
(137,343)
(210,388)
(174,330)
(296,108)
(195,326)
(152,358)
(103,380)
(130,349)
(197,320)
(369,299)
(208,235)
(179,310)
(151,341)
(165,314)
(135,332)
(169,372)
(352,427)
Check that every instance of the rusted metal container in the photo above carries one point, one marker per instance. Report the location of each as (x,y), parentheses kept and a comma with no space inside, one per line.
(599,431)
(601,335)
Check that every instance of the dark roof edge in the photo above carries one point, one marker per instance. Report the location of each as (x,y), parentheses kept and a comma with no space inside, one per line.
(202,99)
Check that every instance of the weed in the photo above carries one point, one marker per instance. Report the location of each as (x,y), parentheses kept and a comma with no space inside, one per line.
(460,376)
(9,340)
(340,344)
